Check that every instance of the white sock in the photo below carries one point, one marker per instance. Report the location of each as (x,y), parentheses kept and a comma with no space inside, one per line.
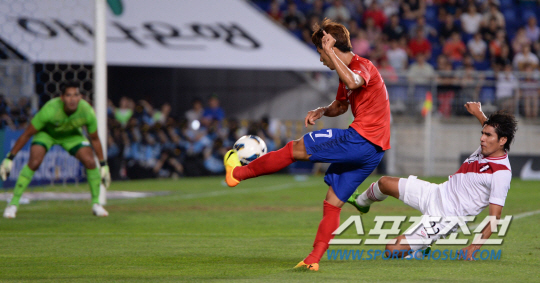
(371,195)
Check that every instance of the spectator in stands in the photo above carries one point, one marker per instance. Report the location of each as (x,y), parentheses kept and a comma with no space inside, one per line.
(393,30)
(378,50)
(531,29)
(489,32)
(233,133)
(446,86)
(530,90)
(356,8)
(213,111)
(471,21)
(387,71)
(412,9)
(265,134)
(124,112)
(493,13)
(147,113)
(213,157)
(338,12)
(421,72)
(317,10)
(419,45)
(307,31)
(360,43)
(421,25)
(471,82)
(114,150)
(507,89)
(274,11)
(502,59)
(448,28)
(397,56)
(496,45)
(520,40)
(170,163)
(390,8)
(454,48)
(525,57)
(373,32)
(293,18)
(452,7)
(161,116)
(477,48)
(420,75)
(196,112)
(374,12)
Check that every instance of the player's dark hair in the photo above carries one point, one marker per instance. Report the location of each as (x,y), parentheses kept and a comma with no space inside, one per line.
(67,85)
(505,125)
(338,31)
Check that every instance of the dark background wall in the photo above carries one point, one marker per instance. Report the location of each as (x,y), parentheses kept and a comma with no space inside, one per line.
(236,89)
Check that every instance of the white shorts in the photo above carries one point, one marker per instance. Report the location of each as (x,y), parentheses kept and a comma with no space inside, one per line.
(423,196)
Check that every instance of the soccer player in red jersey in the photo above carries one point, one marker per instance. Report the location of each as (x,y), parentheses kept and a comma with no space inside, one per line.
(353,153)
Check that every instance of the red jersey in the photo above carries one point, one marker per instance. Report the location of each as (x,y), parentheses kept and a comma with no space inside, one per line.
(369,103)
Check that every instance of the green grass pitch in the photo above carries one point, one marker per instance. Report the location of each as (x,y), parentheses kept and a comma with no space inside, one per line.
(257,231)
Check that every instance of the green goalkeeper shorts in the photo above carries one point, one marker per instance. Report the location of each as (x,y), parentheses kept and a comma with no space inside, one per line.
(70,143)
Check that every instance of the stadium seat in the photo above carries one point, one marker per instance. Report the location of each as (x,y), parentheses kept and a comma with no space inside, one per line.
(457,64)
(511,19)
(483,65)
(506,4)
(526,13)
(431,15)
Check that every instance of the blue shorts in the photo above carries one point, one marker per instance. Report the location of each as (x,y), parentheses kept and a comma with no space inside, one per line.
(353,158)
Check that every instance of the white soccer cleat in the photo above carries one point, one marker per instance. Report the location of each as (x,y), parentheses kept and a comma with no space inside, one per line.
(99,211)
(11,211)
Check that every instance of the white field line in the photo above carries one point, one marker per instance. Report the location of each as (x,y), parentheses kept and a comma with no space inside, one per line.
(515,217)
(243,191)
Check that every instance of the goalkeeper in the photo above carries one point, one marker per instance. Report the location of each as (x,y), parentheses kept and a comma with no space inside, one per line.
(60,121)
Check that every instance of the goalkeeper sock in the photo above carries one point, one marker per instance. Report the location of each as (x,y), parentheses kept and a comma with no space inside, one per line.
(94,180)
(371,195)
(25,177)
(328,225)
(266,164)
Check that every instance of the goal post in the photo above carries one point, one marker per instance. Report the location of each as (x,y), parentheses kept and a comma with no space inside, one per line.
(100,80)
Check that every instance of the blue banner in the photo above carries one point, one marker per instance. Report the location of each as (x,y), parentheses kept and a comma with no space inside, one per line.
(58,166)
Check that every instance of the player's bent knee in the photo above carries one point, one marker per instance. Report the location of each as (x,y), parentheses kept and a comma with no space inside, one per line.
(299,150)
(34,164)
(383,183)
(89,163)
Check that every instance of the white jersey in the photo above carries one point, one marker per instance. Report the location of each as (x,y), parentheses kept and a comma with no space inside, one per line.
(478,182)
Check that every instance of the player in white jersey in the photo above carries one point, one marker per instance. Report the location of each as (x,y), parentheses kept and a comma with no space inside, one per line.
(482,180)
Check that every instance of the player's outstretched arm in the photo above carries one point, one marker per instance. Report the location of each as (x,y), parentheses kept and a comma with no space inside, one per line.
(23,139)
(104,168)
(348,77)
(494,210)
(335,108)
(5,167)
(475,108)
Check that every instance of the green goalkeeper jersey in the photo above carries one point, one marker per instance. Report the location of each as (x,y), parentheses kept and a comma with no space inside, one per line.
(52,119)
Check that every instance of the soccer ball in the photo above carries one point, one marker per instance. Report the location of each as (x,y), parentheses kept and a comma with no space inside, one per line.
(249,148)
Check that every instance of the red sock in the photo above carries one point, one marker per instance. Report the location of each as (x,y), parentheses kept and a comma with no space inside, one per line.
(329,224)
(266,164)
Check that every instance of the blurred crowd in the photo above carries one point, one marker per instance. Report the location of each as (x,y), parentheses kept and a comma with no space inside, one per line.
(15,114)
(421,42)
(146,141)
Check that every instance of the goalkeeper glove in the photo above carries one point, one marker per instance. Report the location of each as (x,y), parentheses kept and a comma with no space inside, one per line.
(105,174)
(6,166)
